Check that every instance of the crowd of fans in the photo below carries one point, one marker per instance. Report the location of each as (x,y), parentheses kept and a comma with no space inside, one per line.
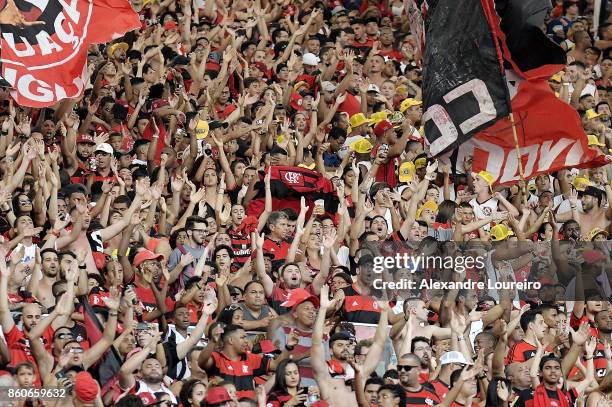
(153,255)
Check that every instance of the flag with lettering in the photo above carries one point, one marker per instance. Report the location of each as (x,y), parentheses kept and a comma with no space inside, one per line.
(44,43)
(549,132)
(464,90)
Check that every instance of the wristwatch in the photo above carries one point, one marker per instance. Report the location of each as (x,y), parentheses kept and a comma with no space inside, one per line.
(289,348)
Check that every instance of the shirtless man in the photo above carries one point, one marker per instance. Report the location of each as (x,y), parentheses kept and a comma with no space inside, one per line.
(415,320)
(50,269)
(93,241)
(593,214)
(336,391)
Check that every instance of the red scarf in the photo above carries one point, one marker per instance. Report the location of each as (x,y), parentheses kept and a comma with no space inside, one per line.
(541,399)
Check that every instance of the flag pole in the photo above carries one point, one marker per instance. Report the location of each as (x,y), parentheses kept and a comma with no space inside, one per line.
(518,158)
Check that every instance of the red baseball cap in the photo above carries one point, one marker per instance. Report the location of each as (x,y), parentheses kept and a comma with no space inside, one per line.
(86,389)
(147,398)
(383,126)
(296,102)
(85,138)
(298,296)
(217,395)
(145,255)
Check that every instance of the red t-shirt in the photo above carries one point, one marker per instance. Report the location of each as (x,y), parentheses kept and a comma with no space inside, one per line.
(19,347)
(280,250)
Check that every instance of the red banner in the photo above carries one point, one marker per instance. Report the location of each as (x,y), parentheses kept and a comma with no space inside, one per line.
(550,137)
(44,56)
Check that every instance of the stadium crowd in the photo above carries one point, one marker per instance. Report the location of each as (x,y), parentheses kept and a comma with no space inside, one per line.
(201,227)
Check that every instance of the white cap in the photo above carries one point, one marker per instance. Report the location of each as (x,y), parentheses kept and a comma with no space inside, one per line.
(327,86)
(105,148)
(310,59)
(454,357)
(373,88)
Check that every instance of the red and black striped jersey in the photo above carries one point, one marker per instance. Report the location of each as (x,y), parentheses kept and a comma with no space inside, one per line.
(241,246)
(240,372)
(526,398)
(422,398)
(359,308)
(521,352)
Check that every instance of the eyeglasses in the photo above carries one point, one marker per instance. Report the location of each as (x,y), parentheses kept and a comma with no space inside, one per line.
(76,350)
(24,203)
(233,307)
(405,367)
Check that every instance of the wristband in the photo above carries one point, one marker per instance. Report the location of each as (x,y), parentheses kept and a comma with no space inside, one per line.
(83,267)
(461,338)
(588,358)
(113,314)
(289,348)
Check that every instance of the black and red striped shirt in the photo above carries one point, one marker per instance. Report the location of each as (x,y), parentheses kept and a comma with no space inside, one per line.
(241,246)
(240,372)
(359,308)
(422,398)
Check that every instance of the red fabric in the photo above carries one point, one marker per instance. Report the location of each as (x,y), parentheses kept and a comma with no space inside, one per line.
(350,105)
(42,76)
(541,399)
(550,135)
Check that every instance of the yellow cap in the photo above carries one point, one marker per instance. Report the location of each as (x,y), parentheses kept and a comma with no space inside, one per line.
(420,163)
(201,129)
(358,120)
(486,176)
(500,232)
(378,117)
(581,183)
(531,187)
(594,141)
(300,85)
(280,139)
(556,78)
(596,231)
(431,205)
(309,166)
(590,114)
(408,103)
(111,48)
(362,146)
(406,171)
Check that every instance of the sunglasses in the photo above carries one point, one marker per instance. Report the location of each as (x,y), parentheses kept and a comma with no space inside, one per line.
(76,350)
(405,367)
(64,336)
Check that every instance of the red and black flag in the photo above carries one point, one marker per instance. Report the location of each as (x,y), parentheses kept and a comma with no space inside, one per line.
(288,185)
(43,44)
(463,75)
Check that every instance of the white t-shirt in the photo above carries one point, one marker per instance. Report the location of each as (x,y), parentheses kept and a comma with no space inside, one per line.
(482,210)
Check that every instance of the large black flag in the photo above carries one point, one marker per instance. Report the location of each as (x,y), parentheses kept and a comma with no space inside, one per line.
(527,47)
(463,81)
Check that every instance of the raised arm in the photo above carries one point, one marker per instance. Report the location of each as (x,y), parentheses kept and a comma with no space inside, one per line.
(374,355)
(93,354)
(260,267)
(317,353)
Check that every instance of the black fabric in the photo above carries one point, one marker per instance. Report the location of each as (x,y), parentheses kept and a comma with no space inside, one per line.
(460,55)
(521,22)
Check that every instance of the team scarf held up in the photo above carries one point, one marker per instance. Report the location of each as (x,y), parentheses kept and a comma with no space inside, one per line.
(47,62)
